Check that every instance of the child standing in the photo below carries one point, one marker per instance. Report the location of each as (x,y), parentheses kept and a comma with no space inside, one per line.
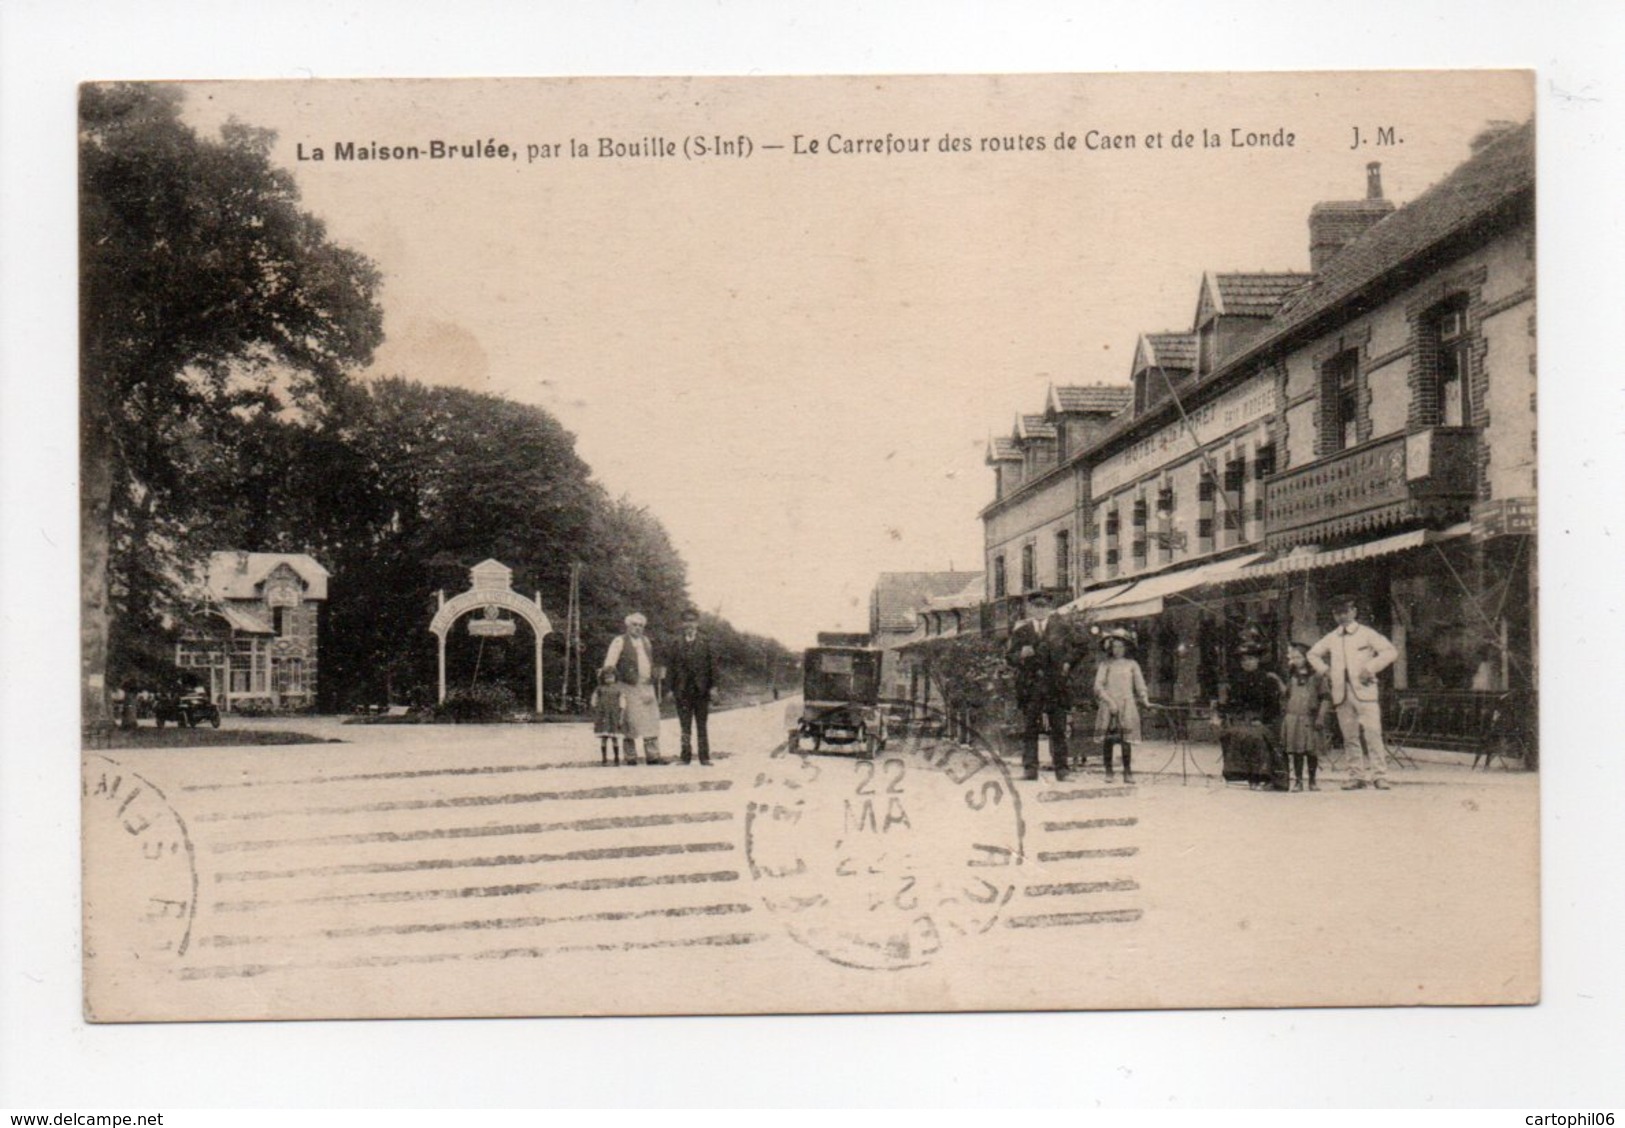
(1120,690)
(1308,704)
(608,720)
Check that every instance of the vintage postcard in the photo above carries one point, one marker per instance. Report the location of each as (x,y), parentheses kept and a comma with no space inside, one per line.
(785,545)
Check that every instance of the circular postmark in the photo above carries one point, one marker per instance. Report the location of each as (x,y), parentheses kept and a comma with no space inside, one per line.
(884,863)
(140,877)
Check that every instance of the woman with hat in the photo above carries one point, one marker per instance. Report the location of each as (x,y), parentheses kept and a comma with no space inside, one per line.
(1251,708)
(1120,689)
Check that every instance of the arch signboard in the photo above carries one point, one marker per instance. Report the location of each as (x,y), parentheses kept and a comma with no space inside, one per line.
(491,591)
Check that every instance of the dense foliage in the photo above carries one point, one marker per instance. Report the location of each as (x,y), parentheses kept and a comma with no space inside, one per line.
(221,331)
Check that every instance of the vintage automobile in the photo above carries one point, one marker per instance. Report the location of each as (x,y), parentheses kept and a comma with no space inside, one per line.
(187,708)
(840,701)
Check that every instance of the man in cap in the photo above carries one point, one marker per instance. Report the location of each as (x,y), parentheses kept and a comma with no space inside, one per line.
(692,675)
(632,657)
(1041,651)
(1351,657)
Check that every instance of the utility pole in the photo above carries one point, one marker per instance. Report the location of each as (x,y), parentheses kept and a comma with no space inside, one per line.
(572,643)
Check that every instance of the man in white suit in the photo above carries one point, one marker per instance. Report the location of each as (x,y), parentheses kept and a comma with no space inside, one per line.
(1351,657)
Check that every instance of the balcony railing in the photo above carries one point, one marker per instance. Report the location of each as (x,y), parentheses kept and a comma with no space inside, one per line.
(1429,476)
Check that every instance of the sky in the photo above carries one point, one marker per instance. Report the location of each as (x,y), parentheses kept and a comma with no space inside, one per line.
(795,358)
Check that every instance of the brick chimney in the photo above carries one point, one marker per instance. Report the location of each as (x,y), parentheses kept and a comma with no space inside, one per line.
(1334,224)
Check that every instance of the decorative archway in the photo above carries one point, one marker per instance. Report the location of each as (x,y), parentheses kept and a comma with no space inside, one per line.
(490,587)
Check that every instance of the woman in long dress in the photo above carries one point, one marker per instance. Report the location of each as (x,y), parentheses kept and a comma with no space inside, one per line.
(1120,690)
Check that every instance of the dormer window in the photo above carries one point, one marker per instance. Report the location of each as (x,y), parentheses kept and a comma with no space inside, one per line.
(1207,348)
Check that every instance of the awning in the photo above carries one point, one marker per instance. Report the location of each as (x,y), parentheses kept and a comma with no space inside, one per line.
(242,621)
(1091,599)
(1148,595)
(1299,560)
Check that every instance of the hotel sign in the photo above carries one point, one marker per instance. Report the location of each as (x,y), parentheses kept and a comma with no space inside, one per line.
(1257,399)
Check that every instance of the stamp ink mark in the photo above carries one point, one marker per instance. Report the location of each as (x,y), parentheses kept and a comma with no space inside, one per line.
(1070,855)
(423,773)
(1091,793)
(141,880)
(1089,824)
(591,884)
(492,923)
(477,801)
(885,864)
(614,822)
(1063,920)
(249,971)
(1069,888)
(417,864)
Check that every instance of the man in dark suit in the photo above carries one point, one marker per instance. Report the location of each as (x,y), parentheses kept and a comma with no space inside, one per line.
(1041,651)
(692,671)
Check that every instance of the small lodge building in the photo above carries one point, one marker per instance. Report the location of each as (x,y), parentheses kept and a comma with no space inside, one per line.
(256,643)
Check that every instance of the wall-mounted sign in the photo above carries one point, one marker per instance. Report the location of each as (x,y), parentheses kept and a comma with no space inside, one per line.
(1505,516)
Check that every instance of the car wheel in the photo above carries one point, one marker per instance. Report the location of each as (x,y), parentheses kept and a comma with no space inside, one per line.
(214,720)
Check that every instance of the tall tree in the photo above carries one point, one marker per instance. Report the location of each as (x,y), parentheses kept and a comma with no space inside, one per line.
(207,298)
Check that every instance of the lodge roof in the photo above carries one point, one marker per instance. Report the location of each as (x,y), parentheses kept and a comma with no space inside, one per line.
(898,596)
(237,575)
(1169,350)
(1256,294)
(968,596)
(1002,448)
(1033,427)
(1106,399)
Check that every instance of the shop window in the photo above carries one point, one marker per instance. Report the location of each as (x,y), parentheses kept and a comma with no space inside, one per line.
(1000,584)
(1453,362)
(1063,559)
(1029,568)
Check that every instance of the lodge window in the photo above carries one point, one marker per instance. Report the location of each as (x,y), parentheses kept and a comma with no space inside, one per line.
(1340,385)
(1453,360)
(1029,568)
(1063,559)
(1000,586)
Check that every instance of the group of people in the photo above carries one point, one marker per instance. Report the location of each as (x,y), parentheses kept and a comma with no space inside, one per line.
(1042,652)
(1273,727)
(626,704)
